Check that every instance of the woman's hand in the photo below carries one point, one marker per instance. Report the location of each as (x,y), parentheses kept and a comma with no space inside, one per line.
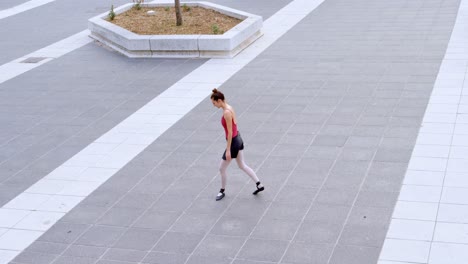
(228,155)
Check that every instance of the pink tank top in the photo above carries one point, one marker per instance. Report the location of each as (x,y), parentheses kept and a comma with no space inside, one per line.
(234,127)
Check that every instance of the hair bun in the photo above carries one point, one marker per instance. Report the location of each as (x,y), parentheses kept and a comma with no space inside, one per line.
(215,90)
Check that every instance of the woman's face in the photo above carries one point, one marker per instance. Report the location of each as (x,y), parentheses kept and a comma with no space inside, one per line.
(216,103)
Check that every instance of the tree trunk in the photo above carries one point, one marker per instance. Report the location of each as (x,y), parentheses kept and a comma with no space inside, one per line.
(178,13)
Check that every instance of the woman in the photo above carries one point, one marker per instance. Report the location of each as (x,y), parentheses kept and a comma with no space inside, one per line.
(235,145)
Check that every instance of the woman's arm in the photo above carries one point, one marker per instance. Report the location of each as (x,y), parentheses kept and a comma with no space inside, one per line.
(228,118)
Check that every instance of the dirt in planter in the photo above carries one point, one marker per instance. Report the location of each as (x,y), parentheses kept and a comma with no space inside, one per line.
(197,20)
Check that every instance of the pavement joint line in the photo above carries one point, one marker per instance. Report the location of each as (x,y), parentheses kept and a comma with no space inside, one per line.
(281,187)
(200,82)
(23,7)
(452,75)
(16,67)
(237,195)
(196,197)
(159,196)
(353,205)
(77,133)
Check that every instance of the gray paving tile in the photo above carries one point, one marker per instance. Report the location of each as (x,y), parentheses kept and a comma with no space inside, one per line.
(47,248)
(304,128)
(101,236)
(121,217)
(84,251)
(196,259)
(172,203)
(299,252)
(74,260)
(63,233)
(299,194)
(385,176)
(263,250)
(318,118)
(29,257)
(357,154)
(289,150)
(136,200)
(333,196)
(245,261)
(336,130)
(266,137)
(153,185)
(363,142)
(275,127)
(377,198)
(178,242)
(105,261)
(124,255)
(194,223)
(369,236)
(285,211)
(234,226)
(393,155)
(344,181)
(118,183)
(164,258)
(275,229)
(330,141)
(369,216)
(206,205)
(84,214)
(188,186)
(219,246)
(400,143)
(401,132)
(102,199)
(280,163)
(322,152)
(138,239)
(306,179)
(297,138)
(318,232)
(354,255)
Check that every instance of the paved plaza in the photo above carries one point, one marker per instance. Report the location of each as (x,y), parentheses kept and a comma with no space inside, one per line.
(354,115)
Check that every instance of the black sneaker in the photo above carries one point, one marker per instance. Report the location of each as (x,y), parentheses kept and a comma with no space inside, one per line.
(259,189)
(220,196)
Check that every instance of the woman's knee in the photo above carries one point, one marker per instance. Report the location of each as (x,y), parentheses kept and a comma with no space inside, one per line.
(241,165)
(221,169)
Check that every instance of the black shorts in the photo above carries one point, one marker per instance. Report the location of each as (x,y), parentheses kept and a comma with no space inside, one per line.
(236,145)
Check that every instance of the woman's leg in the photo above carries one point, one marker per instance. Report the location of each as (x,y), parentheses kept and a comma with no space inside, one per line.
(222,170)
(245,168)
(250,172)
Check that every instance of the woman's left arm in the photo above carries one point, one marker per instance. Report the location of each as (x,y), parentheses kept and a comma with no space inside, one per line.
(228,118)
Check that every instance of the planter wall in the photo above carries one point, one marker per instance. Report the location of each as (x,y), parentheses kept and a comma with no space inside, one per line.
(133,45)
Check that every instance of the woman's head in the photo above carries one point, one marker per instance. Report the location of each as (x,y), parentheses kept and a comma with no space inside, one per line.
(217,98)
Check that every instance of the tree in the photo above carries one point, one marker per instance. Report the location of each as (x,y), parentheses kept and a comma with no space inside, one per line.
(178,13)
(177,10)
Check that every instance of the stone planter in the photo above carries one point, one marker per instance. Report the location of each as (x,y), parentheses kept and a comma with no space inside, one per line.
(133,45)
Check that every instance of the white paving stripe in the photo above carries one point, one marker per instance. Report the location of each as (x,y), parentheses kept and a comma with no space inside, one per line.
(430,221)
(23,7)
(16,67)
(44,203)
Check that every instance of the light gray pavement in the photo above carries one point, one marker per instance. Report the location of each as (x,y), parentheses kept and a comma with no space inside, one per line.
(39,27)
(329,115)
(50,113)
(5,4)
